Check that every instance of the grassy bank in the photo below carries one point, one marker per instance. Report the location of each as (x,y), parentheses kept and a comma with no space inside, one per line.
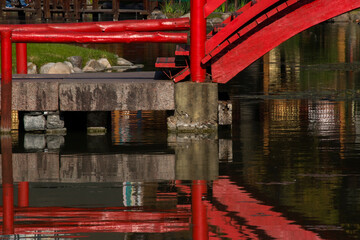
(41,53)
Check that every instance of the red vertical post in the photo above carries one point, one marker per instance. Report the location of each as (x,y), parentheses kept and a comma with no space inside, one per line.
(197,40)
(8,184)
(21,58)
(6,81)
(23,195)
(200,226)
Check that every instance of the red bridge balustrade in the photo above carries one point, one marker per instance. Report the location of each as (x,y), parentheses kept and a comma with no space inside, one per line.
(249,33)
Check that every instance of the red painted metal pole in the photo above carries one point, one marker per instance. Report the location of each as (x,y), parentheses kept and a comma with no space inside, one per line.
(7,184)
(21,58)
(98,37)
(6,81)
(197,40)
(200,225)
(175,24)
(23,195)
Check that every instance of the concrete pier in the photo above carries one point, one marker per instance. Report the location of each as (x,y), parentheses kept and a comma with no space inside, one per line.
(91,92)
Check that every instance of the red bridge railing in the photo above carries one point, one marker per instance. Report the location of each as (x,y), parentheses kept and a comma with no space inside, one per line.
(94,32)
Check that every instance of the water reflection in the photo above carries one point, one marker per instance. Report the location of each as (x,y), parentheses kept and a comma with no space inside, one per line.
(288,169)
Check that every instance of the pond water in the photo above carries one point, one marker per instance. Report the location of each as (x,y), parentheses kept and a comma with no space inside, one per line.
(287,169)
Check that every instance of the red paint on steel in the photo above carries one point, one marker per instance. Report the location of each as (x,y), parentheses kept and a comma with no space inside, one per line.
(21,58)
(6,81)
(94,37)
(7,185)
(254,46)
(23,195)
(118,26)
(237,23)
(200,225)
(197,40)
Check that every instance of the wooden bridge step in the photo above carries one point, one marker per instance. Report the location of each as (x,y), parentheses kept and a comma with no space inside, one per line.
(182,74)
(182,50)
(168,62)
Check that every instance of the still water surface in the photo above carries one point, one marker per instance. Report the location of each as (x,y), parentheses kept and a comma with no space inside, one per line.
(287,169)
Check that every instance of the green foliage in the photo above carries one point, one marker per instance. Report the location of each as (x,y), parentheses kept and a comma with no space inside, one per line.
(172,8)
(231,6)
(41,53)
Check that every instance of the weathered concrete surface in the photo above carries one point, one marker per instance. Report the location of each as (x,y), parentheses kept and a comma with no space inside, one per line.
(92,92)
(76,168)
(35,95)
(196,107)
(196,156)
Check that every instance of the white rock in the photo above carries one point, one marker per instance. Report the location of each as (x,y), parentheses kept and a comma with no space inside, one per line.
(105,63)
(93,66)
(59,68)
(45,68)
(123,62)
(31,68)
(70,65)
(77,70)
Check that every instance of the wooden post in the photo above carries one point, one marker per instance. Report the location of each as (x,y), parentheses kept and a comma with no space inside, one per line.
(46,9)
(66,6)
(38,11)
(21,58)
(197,40)
(6,81)
(95,6)
(115,9)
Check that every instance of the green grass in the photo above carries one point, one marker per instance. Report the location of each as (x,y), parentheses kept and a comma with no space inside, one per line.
(42,53)
(175,8)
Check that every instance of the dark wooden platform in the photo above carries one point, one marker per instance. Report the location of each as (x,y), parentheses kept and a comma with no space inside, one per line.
(92,92)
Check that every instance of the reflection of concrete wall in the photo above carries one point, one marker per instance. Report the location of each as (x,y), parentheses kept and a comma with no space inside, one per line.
(50,167)
(196,158)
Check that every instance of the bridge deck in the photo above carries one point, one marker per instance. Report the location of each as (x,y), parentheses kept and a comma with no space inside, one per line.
(92,92)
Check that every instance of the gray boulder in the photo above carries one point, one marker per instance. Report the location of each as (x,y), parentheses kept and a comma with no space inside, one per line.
(31,68)
(93,66)
(76,61)
(34,123)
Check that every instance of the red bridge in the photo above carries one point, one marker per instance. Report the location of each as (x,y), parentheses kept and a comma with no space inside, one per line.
(248,34)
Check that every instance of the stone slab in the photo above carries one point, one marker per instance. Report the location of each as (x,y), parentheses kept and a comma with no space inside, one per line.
(91,92)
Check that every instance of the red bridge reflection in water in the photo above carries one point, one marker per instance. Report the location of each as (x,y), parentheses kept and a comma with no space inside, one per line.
(231,213)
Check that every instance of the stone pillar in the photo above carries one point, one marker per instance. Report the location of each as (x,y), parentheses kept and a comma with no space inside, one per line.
(196,108)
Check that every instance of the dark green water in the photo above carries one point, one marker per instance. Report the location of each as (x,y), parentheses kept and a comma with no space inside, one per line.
(287,169)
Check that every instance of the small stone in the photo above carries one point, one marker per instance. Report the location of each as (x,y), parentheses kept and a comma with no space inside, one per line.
(34,141)
(105,63)
(54,122)
(96,130)
(93,66)
(34,123)
(123,62)
(69,64)
(55,141)
(76,61)
(77,70)
(56,131)
(31,68)
(45,68)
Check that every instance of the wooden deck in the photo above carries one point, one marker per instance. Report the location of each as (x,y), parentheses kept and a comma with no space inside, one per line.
(76,9)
